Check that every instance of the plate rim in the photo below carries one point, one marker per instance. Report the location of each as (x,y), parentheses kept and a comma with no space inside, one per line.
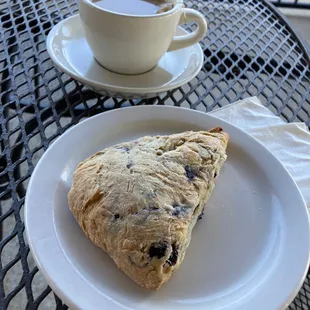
(114,88)
(69,300)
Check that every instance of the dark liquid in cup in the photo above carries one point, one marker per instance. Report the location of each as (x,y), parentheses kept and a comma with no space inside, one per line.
(135,7)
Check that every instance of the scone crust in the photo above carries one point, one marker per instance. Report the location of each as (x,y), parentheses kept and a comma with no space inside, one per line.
(139,200)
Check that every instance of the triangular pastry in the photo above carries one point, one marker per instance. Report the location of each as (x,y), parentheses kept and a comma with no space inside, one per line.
(140,200)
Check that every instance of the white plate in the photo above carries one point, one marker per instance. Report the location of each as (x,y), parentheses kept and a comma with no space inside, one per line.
(68,48)
(250,251)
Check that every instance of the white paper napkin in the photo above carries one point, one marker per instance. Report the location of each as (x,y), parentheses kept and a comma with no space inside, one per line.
(290,143)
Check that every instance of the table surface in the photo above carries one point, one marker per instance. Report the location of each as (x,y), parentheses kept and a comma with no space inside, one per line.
(250,50)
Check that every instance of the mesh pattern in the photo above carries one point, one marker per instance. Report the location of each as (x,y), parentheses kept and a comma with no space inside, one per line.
(249,50)
(294,4)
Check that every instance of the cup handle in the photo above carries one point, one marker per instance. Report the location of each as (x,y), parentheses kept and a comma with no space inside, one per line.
(189,15)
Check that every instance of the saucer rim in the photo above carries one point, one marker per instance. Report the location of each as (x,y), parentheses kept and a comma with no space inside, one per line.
(99,86)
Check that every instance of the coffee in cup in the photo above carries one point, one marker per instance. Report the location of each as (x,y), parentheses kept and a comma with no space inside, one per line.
(135,7)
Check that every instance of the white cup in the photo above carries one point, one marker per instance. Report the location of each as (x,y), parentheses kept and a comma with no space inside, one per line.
(133,44)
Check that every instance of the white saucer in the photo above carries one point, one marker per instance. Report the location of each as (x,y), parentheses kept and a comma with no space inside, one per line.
(69,50)
(249,252)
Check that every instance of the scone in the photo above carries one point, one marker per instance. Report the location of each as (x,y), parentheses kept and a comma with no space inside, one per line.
(140,200)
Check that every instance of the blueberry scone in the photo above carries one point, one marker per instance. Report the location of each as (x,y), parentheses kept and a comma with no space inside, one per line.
(140,200)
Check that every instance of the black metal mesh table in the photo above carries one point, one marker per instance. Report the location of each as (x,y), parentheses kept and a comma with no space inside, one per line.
(249,50)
